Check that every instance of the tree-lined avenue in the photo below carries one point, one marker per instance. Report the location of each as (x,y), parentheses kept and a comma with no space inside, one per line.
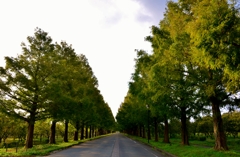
(116,145)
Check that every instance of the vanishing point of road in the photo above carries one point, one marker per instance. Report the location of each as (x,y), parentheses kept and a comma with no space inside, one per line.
(115,145)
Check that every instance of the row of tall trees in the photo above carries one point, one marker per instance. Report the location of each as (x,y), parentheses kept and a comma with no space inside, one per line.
(49,80)
(194,68)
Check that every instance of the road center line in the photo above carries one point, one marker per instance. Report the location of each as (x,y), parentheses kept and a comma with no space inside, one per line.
(115,152)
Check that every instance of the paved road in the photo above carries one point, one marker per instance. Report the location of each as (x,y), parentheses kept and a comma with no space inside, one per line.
(116,145)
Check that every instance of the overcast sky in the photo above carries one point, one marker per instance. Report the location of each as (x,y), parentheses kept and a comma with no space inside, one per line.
(105,31)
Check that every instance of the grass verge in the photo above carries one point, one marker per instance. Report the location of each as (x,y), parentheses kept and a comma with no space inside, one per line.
(43,149)
(199,150)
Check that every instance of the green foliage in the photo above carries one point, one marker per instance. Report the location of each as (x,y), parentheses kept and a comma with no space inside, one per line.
(24,78)
(131,114)
(42,128)
(51,81)
(215,35)
(195,64)
(204,125)
(232,123)
(174,127)
(10,127)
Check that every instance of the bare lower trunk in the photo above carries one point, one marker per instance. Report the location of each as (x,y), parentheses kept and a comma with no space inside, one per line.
(82,131)
(86,132)
(93,132)
(96,132)
(29,140)
(144,132)
(66,131)
(220,137)
(148,130)
(184,131)
(52,139)
(76,131)
(101,132)
(138,130)
(75,135)
(90,131)
(135,131)
(149,133)
(140,133)
(156,129)
(166,131)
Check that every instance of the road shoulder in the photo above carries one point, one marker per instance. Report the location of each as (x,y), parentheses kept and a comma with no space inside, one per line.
(162,151)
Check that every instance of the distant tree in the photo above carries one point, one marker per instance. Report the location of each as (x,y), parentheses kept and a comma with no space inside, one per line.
(130,114)
(19,129)
(193,128)
(204,126)
(143,93)
(60,128)
(174,127)
(6,127)
(42,129)
(231,123)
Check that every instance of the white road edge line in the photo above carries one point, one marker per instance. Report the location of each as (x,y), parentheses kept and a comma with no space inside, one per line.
(143,147)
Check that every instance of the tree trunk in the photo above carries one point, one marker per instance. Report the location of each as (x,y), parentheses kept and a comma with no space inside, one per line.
(29,140)
(144,132)
(100,131)
(156,129)
(140,131)
(93,132)
(52,139)
(166,131)
(148,130)
(220,137)
(149,133)
(75,135)
(66,131)
(90,131)
(86,132)
(184,131)
(76,131)
(135,131)
(96,132)
(82,131)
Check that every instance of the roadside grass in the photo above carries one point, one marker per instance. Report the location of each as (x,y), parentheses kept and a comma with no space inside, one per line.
(42,149)
(196,148)
(233,143)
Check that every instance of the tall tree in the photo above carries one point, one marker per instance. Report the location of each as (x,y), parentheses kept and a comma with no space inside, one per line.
(215,37)
(172,74)
(24,79)
(61,99)
(140,90)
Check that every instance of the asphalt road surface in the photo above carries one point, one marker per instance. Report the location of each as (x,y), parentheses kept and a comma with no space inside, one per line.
(115,145)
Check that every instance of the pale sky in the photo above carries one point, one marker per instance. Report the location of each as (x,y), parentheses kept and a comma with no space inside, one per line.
(105,31)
